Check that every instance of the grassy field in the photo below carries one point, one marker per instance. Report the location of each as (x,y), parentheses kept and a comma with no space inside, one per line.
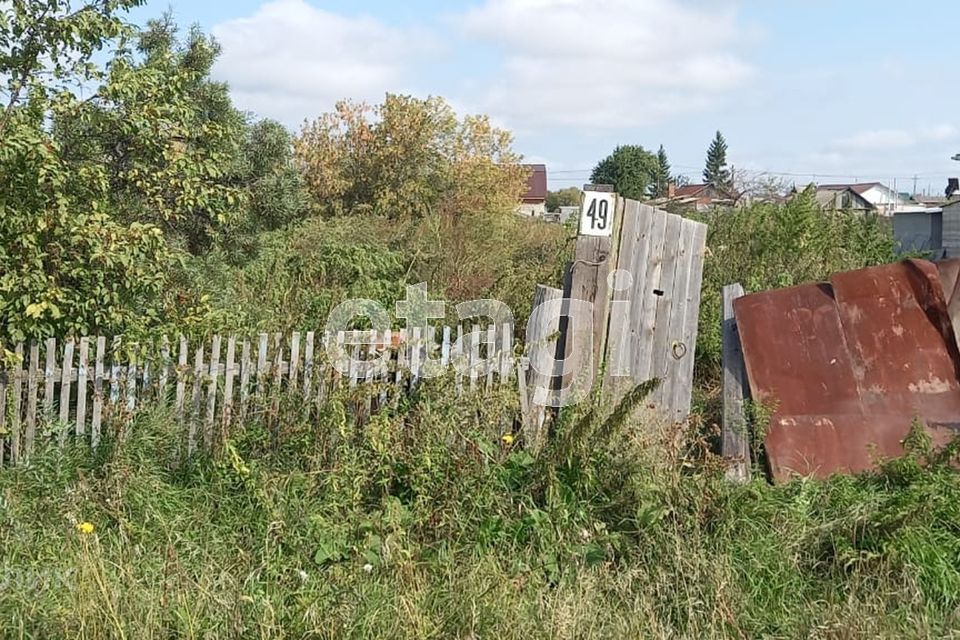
(428,523)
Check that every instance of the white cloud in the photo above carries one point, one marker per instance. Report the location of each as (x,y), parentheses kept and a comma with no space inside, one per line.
(892,139)
(607,63)
(292,61)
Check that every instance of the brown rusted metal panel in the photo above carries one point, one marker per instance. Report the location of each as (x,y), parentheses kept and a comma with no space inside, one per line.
(846,366)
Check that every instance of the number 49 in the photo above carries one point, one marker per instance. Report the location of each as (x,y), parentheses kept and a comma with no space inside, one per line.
(599,214)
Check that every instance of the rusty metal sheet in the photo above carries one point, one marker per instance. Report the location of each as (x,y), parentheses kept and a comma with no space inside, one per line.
(846,366)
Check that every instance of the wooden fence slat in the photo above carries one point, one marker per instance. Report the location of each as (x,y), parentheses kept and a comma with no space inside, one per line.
(277,383)
(459,360)
(661,357)
(540,351)
(195,404)
(133,367)
(677,349)
(182,368)
(164,376)
(214,375)
(506,352)
(445,349)
(15,419)
(245,365)
(416,356)
(354,358)
(491,359)
(646,307)
(49,380)
(146,360)
(66,373)
(383,375)
(32,383)
(735,443)
(400,371)
(84,356)
(683,389)
(261,378)
(474,356)
(294,360)
(308,364)
(98,372)
(229,375)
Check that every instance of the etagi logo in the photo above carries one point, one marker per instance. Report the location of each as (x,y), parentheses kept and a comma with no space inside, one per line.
(565,374)
(31,579)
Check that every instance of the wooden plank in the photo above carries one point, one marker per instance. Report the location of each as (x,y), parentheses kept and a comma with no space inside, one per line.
(646,301)
(262,370)
(474,356)
(164,376)
(98,371)
(195,404)
(182,369)
(661,357)
(683,388)
(445,349)
(631,258)
(370,366)
(277,384)
(735,441)
(416,356)
(355,364)
(49,380)
(229,375)
(214,377)
(542,368)
(30,433)
(66,375)
(505,354)
(246,365)
(15,418)
(294,360)
(401,359)
(308,364)
(461,361)
(84,357)
(131,380)
(491,363)
(677,349)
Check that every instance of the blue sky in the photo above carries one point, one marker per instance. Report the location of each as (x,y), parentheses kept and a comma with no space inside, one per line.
(826,90)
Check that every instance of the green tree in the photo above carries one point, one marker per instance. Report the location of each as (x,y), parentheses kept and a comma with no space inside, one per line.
(631,169)
(662,178)
(167,136)
(66,264)
(716,172)
(569,197)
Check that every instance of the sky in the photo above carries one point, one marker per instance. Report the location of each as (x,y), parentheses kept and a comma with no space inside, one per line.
(803,90)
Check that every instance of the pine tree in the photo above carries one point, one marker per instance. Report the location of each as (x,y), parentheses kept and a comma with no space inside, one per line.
(716,171)
(662,177)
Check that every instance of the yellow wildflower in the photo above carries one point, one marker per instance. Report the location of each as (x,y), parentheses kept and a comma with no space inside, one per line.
(507,439)
(86,528)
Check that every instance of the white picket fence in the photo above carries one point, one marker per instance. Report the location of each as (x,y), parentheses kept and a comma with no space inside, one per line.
(77,387)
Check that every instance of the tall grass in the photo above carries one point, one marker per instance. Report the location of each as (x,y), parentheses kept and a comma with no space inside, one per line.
(427,523)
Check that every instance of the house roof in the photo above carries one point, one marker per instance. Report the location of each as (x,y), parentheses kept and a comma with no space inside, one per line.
(690,190)
(859,188)
(536,183)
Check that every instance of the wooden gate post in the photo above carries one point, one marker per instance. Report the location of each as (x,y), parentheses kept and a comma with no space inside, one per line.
(735,443)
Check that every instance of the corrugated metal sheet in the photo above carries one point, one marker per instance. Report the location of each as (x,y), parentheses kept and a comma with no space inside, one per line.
(846,366)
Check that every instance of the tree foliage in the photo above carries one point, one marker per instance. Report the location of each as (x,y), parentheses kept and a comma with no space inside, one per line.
(662,178)
(716,171)
(631,170)
(66,264)
(569,197)
(408,158)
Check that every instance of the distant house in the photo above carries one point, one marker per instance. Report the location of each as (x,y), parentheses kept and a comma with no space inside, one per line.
(842,198)
(882,199)
(534,201)
(696,196)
